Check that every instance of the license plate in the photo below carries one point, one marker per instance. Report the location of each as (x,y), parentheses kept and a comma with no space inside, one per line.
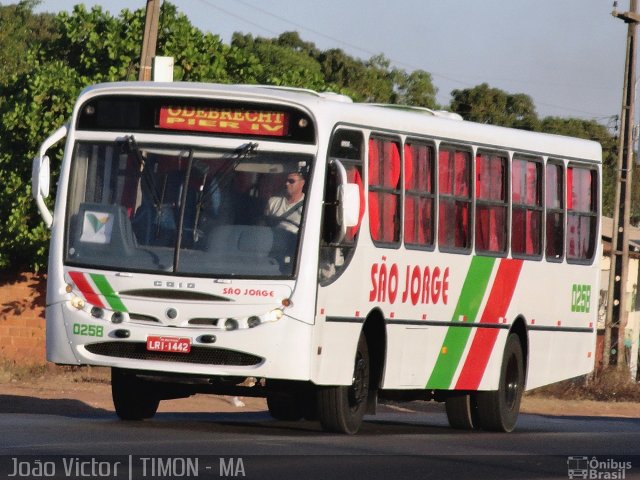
(169,344)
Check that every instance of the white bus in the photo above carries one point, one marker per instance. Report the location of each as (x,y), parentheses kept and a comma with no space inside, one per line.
(294,245)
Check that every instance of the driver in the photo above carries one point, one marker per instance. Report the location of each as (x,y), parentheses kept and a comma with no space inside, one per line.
(286,211)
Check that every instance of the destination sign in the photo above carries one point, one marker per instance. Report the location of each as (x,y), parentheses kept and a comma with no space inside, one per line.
(224,120)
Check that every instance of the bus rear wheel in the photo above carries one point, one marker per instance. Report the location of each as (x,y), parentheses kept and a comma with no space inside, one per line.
(133,398)
(341,408)
(462,411)
(498,410)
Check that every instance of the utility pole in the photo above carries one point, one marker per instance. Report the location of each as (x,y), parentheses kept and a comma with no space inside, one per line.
(150,39)
(616,319)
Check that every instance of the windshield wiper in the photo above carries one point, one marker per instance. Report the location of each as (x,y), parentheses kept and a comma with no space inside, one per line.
(183,206)
(129,145)
(241,153)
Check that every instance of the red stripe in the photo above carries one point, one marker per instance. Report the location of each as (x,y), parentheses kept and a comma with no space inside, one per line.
(485,338)
(89,294)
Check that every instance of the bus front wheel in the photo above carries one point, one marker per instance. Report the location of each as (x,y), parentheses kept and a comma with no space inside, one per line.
(498,410)
(341,408)
(133,399)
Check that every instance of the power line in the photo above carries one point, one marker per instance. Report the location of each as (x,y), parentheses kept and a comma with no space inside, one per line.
(371,53)
(238,17)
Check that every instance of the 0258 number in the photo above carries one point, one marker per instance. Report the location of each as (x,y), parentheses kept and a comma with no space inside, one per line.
(88,330)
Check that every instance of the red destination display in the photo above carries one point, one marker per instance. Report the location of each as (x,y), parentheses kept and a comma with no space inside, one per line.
(223,120)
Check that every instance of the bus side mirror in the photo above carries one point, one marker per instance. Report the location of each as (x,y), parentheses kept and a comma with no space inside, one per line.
(40,177)
(41,173)
(348,205)
(342,203)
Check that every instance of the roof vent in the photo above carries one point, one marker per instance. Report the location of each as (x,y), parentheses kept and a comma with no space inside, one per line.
(336,97)
(413,108)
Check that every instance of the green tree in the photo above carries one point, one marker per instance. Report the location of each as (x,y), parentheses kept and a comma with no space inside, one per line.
(21,30)
(81,48)
(284,61)
(39,102)
(484,104)
(371,81)
(416,89)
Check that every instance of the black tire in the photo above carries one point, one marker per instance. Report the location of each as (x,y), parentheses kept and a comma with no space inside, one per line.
(291,400)
(284,406)
(498,410)
(341,408)
(133,399)
(462,411)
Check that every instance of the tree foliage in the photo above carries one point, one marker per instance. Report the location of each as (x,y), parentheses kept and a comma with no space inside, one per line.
(484,104)
(20,31)
(47,59)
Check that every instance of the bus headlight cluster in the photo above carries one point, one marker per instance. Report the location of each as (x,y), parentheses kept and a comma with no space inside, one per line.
(254,320)
(97,312)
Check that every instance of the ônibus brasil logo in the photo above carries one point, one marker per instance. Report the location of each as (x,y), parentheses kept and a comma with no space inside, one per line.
(594,468)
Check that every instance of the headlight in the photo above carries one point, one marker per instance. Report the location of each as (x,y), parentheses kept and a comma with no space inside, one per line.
(77,302)
(231,324)
(274,315)
(253,321)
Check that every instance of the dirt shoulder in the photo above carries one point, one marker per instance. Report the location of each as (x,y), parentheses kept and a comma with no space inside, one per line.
(57,392)
(86,392)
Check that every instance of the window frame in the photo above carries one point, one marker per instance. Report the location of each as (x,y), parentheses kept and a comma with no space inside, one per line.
(526,207)
(420,195)
(561,196)
(468,199)
(492,203)
(593,213)
(382,191)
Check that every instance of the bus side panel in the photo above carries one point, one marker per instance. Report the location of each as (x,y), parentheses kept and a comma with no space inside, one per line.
(559,303)
(556,356)
(58,346)
(416,309)
(415,347)
(334,351)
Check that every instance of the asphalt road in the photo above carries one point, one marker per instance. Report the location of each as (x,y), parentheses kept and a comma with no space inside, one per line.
(393,444)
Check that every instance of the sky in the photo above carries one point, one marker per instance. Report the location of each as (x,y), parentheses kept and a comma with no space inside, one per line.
(567,55)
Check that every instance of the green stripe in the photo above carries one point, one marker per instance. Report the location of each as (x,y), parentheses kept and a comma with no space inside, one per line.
(110,296)
(473,290)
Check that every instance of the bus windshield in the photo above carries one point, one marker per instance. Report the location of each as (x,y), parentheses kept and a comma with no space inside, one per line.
(219,213)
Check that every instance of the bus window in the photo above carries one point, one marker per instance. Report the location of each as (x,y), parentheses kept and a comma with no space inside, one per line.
(347,147)
(526,213)
(454,208)
(582,219)
(419,195)
(491,203)
(555,211)
(384,191)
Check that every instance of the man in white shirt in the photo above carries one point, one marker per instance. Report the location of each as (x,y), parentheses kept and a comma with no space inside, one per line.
(286,211)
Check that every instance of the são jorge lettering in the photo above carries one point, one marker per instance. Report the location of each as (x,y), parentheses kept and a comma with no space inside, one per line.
(422,284)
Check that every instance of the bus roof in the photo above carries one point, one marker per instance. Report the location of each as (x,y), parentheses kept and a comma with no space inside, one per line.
(330,109)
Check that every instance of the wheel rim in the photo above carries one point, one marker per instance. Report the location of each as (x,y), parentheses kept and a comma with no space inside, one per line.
(359,387)
(512,383)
